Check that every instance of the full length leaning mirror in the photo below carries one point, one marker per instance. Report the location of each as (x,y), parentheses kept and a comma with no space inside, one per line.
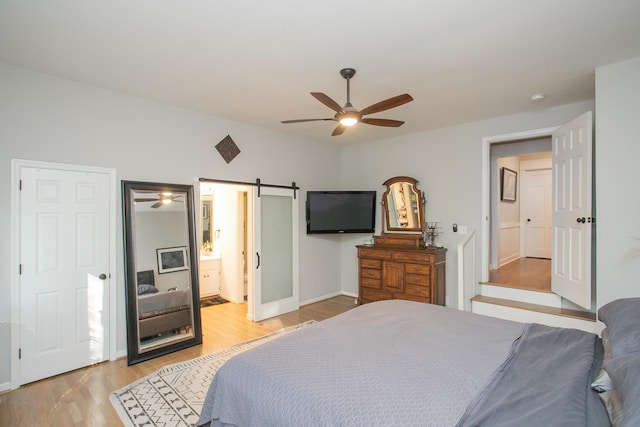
(163,313)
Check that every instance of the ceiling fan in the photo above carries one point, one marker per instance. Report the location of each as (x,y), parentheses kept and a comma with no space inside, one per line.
(348,115)
(162,199)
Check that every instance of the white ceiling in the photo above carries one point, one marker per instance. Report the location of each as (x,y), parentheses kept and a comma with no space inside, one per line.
(257,61)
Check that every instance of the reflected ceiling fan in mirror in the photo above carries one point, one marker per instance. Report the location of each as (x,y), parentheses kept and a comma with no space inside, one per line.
(161,199)
(348,115)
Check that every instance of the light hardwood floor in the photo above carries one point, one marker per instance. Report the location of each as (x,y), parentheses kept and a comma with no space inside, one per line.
(81,397)
(532,274)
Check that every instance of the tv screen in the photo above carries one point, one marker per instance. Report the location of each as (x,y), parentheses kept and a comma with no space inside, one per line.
(341,211)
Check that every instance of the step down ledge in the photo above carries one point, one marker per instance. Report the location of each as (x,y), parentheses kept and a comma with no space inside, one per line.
(546,299)
(551,316)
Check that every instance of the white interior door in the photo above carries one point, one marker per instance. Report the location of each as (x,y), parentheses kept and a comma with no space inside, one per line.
(276,278)
(572,207)
(64,281)
(537,206)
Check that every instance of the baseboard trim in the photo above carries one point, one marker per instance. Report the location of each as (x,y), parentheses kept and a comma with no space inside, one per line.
(327,296)
(5,387)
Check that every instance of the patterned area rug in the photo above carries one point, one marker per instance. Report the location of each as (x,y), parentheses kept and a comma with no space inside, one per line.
(173,395)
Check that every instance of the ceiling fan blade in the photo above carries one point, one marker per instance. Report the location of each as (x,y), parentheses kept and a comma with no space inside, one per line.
(304,120)
(387,104)
(156,205)
(339,130)
(327,101)
(383,122)
(147,200)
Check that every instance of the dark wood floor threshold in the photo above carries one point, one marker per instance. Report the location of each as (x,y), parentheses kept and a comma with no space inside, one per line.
(566,312)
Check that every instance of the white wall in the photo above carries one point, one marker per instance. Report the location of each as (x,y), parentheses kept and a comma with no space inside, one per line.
(617,153)
(448,164)
(508,214)
(46,118)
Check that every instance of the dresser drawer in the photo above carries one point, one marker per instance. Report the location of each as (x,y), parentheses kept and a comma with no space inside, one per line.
(417,269)
(374,253)
(368,282)
(373,274)
(417,279)
(413,256)
(371,263)
(374,295)
(415,298)
(417,290)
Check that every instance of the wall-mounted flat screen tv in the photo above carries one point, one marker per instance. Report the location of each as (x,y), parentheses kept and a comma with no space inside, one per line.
(341,212)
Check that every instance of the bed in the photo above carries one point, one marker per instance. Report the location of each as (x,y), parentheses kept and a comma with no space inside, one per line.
(160,312)
(405,363)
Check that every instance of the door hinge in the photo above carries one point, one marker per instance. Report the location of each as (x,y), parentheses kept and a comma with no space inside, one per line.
(20,185)
(19,353)
(20,268)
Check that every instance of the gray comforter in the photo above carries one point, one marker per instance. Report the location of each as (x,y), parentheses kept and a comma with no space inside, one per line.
(387,363)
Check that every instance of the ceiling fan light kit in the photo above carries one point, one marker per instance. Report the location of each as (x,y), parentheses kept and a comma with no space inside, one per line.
(160,199)
(348,115)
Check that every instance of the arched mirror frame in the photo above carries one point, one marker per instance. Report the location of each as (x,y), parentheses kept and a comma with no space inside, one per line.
(134,353)
(417,205)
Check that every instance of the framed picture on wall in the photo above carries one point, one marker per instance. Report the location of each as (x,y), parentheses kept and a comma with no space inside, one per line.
(172,259)
(508,184)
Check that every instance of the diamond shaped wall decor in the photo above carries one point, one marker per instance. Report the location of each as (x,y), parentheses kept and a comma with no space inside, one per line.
(227,149)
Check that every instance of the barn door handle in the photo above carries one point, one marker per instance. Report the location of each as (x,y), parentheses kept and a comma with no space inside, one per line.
(258,255)
(582,220)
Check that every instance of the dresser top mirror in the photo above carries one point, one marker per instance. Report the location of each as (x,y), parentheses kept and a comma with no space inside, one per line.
(402,205)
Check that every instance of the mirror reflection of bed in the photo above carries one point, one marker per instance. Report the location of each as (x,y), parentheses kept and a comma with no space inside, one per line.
(165,316)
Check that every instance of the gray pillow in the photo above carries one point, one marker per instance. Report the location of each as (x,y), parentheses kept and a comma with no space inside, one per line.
(147,289)
(622,318)
(625,375)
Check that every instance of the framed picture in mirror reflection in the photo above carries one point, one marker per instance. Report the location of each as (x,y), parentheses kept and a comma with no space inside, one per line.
(508,187)
(172,259)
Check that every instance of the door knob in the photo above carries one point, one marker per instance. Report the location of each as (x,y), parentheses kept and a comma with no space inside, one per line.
(102,276)
(582,220)
(528,219)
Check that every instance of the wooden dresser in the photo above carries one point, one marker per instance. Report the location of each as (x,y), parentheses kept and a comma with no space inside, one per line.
(392,272)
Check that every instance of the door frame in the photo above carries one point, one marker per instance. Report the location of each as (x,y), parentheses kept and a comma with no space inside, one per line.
(486,187)
(16,167)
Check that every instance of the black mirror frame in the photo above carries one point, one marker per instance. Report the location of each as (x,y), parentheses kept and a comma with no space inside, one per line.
(133,340)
